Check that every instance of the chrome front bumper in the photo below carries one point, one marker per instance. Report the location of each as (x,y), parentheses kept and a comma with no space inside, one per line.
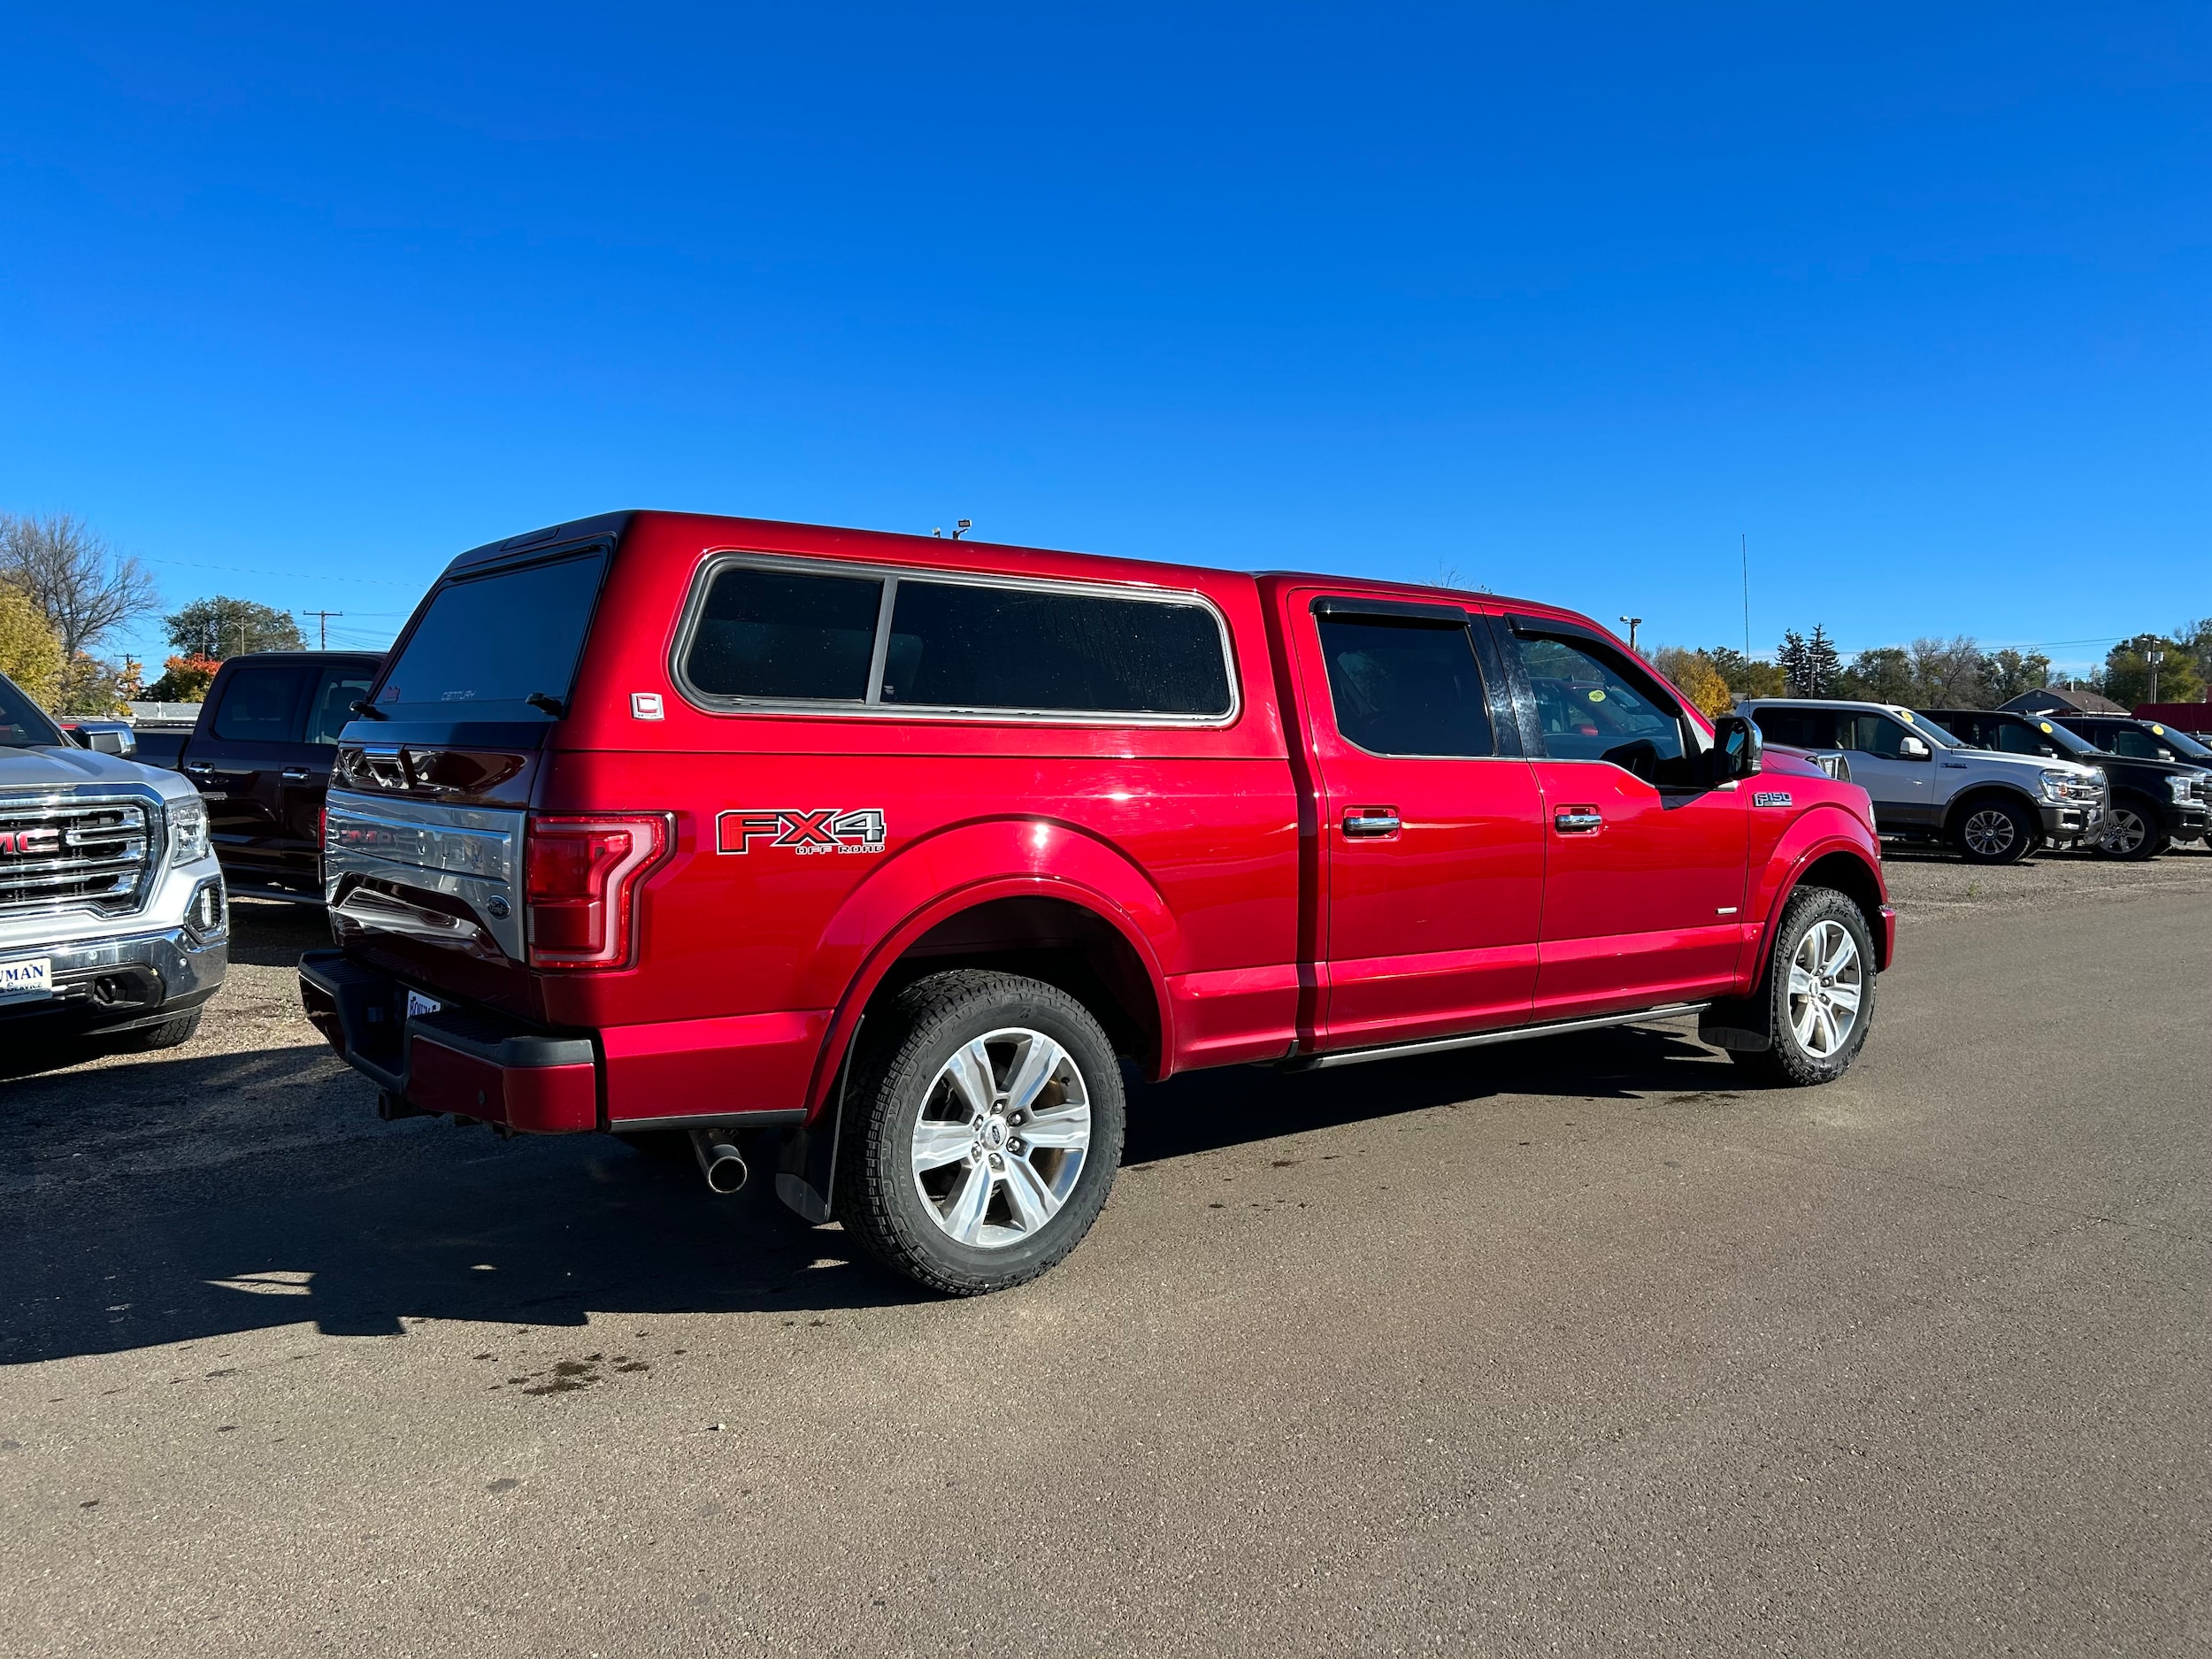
(117,984)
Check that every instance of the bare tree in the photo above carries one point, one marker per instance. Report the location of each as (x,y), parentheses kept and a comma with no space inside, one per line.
(1948,673)
(86,588)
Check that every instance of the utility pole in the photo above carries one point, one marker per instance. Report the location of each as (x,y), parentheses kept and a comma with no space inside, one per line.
(2154,656)
(322,619)
(1633,624)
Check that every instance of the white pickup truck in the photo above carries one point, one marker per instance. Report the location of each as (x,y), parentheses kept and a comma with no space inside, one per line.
(113,919)
(1926,785)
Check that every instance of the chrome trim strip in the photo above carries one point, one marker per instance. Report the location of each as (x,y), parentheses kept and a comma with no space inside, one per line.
(1475,1039)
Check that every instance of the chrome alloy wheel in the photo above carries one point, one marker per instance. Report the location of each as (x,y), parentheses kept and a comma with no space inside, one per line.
(2127,833)
(1824,989)
(1002,1139)
(1990,832)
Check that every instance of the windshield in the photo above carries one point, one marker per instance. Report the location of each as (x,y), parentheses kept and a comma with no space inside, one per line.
(1929,729)
(486,644)
(2072,743)
(23,724)
(2187,745)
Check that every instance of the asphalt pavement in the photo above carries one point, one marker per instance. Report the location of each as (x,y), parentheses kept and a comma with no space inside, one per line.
(1578,1347)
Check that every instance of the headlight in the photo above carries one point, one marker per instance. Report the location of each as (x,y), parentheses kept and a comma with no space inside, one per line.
(2055,784)
(2188,786)
(187,829)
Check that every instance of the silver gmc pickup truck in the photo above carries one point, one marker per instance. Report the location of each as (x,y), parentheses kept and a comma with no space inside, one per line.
(113,919)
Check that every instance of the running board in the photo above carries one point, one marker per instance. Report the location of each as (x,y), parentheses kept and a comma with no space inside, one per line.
(1477,1039)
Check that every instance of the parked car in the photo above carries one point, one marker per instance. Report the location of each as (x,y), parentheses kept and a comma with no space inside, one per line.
(112,916)
(1928,785)
(2155,802)
(873,855)
(261,757)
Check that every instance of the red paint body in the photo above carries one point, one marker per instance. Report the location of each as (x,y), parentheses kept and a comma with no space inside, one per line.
(1238,923)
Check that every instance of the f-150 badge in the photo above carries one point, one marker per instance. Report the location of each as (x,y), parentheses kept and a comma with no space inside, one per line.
(1770,798)
(801,830)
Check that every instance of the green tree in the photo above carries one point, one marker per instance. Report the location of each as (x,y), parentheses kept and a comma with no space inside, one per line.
(2127,671)
(1747,676)
(2007,673)
(1882,674)
(223,626)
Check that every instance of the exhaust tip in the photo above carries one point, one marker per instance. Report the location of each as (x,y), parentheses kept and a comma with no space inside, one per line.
(719,1161)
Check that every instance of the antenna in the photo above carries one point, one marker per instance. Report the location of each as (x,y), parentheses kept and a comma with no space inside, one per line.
(1744,546)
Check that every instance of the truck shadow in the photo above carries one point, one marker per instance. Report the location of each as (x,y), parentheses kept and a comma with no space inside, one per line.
(182,1198)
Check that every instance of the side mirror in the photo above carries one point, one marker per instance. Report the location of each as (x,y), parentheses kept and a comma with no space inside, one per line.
(1736,749)
(1911,748)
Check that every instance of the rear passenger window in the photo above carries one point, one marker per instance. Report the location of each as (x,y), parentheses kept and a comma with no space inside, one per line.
(1797,728)
(784,635)
(261,705)
(1406,687)
(334,696)
(1873,734)
(2015,739)
(964,646)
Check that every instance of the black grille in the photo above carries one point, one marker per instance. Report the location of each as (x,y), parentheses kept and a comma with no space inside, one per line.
(90,853)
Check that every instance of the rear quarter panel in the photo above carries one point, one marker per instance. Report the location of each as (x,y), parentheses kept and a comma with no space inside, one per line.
(1184,838)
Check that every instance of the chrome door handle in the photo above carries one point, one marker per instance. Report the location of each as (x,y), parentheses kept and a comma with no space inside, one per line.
(1577,820)
(1367,823)
(296,774)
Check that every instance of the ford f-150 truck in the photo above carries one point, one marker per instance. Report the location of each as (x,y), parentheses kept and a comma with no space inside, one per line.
(876,856)
(113,922)
(260,757)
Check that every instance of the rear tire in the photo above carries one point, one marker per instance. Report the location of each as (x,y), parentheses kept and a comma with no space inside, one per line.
(1996,830)
(986,1127)
(1817,998)
(2136,832)
(171,1034)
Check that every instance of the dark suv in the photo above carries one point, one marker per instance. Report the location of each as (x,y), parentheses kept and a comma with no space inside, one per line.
(2155,801)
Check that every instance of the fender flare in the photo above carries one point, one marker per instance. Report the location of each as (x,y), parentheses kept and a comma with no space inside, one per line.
(955,869)
(1820,831)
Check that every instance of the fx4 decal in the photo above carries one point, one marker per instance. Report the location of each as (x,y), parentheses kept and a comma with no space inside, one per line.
(802,830)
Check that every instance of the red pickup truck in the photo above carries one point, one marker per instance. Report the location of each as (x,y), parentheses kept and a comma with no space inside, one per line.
(874,856)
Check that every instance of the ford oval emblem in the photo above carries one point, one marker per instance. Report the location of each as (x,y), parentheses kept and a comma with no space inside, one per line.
(497,906)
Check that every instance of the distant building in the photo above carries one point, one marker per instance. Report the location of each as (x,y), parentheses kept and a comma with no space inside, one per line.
(2192,718)
(2081,701)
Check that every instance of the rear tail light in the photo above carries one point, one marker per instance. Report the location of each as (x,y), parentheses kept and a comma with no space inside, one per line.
(581,877)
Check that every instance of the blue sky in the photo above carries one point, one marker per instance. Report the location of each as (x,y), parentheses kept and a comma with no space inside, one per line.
(296,302)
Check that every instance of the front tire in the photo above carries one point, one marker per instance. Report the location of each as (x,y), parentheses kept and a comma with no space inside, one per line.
(172,1033)
(2135,832)
(1995,830)
(987,1125)
(1818,995)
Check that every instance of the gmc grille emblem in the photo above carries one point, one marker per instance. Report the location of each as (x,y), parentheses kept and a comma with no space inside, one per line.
(30,843)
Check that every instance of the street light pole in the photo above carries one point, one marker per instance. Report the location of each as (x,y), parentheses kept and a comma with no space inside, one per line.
(1633,624)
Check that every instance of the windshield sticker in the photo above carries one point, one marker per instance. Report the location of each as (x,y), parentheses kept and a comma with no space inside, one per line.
(2158,729)
(805,830)
(1905,715)
(2045,725)
(1770,798)
(1597,694)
